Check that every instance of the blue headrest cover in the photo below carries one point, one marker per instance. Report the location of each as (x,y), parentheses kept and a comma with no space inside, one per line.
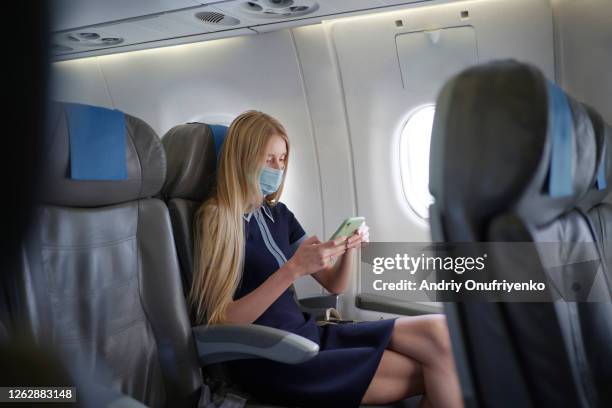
(219,132)
(97,143)
(602,184)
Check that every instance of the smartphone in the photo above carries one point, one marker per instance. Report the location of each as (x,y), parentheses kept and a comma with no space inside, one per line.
(348,227)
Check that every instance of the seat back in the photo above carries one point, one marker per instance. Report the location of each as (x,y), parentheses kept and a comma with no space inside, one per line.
(499,173)
(596,317)
(99,274)
(191,150)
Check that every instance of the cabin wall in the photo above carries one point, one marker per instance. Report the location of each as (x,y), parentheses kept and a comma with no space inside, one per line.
(584,51)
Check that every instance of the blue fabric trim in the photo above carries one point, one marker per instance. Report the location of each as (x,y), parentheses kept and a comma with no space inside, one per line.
(601,171)
(268,211)
(269,240)
(219,132)
(97,143)
(561,131)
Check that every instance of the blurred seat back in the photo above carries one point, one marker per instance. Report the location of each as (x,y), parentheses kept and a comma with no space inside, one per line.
(511,158)
(99,274)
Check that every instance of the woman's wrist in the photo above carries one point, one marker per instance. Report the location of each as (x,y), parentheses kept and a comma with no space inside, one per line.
(292,270)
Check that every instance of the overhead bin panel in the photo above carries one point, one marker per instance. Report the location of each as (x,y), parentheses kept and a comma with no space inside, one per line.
(69,14)
(115,27)
(173,25)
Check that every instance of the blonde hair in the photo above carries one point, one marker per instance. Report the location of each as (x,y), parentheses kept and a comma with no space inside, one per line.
(218,225)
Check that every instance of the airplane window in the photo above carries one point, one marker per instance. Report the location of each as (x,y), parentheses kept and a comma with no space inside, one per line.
(414,159)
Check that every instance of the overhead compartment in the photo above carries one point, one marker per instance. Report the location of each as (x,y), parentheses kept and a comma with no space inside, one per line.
(195,21)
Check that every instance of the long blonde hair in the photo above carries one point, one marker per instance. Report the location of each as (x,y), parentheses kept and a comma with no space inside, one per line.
(218,225)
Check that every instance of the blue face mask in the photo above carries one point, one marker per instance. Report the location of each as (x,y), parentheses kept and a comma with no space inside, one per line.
(270,180)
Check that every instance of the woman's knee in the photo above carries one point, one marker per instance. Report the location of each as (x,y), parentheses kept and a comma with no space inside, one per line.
(439,335)
(427,335)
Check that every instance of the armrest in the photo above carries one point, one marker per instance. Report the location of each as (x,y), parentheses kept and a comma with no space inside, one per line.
(226,342)
(319,302)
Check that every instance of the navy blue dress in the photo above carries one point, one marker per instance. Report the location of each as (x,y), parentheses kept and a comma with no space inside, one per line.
(349,353)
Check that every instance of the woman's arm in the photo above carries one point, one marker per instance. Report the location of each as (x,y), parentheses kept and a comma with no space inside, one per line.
(310,257)
(335,278)
(248,308)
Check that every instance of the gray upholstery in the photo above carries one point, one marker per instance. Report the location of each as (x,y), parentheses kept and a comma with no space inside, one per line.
(192,164)
(191,150)
(596,318)
(181,214)
(490,159)
(146,166)
(111,275)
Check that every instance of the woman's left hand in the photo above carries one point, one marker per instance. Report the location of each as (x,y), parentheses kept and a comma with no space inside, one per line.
(360,238)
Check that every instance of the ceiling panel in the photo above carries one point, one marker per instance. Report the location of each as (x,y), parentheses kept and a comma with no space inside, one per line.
(95,25)
(69,14)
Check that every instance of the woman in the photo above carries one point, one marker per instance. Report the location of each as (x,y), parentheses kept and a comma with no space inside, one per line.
(249,251)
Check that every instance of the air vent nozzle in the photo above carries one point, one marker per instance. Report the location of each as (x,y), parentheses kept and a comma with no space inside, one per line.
(216,18)
(280,8)
(89,39)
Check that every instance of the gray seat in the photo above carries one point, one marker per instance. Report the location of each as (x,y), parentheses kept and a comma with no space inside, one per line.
(596,318)
(491,175)
(102,253)
(192,163)
(99,277)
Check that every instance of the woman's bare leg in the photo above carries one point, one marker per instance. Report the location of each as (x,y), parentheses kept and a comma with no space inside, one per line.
(397,377)
(425,339)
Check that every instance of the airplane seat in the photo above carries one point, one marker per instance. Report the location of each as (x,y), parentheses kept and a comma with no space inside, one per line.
(511,158)
(192,151)
(597,316)
(102,253)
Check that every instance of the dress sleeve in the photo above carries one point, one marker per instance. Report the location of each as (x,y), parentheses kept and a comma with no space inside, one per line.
(296,233)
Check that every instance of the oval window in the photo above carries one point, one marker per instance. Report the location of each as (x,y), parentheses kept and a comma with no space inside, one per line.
(414,159)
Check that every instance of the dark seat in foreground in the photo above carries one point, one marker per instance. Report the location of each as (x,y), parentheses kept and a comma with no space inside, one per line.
(512,160)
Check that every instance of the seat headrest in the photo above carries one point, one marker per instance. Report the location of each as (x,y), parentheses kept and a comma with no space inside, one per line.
(192,150)
(137,168)
(493,135)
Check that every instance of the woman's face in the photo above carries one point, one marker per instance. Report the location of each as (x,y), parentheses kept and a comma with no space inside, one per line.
(276,152)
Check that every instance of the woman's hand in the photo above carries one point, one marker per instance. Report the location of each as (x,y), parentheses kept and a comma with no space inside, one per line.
(359,238)
(313,255)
